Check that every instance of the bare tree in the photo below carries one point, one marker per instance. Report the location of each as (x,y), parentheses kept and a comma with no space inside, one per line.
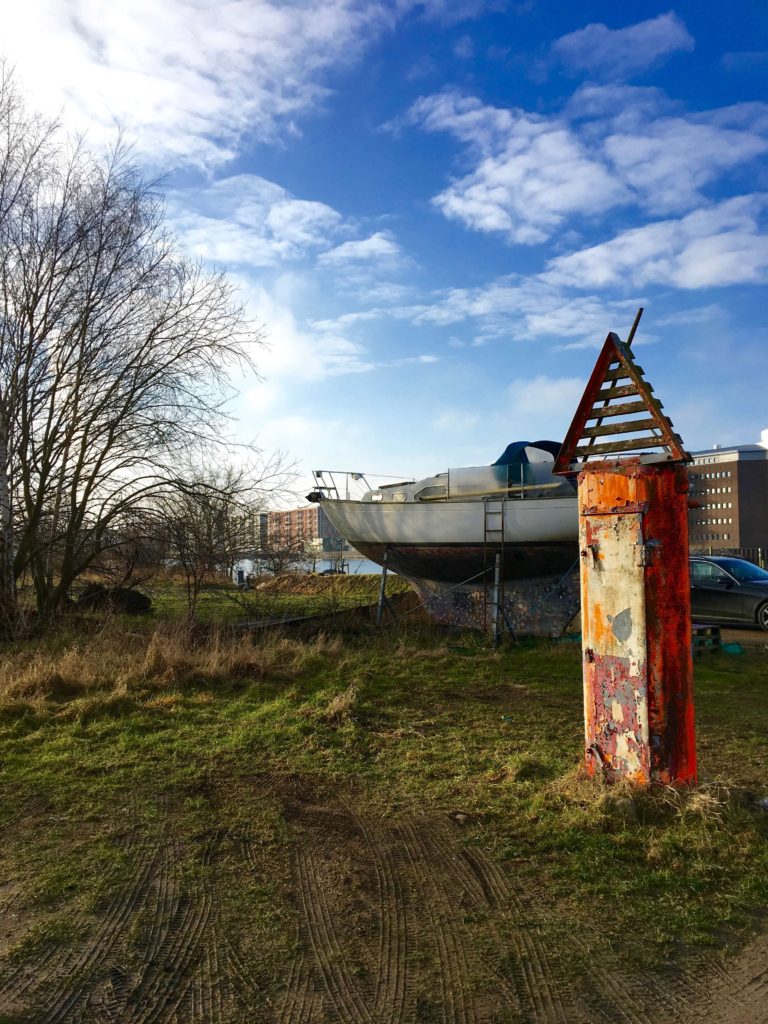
(25,144)
(285,548)
(279,556)
(115,354)
(209,522)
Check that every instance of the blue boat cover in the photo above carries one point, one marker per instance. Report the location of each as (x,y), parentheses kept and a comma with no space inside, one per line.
(515,453)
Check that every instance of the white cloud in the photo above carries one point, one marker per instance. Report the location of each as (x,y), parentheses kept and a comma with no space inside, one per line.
(530,189)
(188,77)
(465,117)
(670,160)
(696,315)
(449,12)
(345,320)
(622,53)
(245,219)
(516,309)
(464,48)
(390,292)
(532,172)
(612,146)
(718,245)
(618,103)
(380,249)
(248,223)
(524,309)
(296,354)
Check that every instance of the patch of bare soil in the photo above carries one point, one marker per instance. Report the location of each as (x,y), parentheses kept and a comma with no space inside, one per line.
(396,922)
(753,639)
(734,990)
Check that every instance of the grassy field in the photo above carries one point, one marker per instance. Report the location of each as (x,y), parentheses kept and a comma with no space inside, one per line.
(270,598)
(245,754)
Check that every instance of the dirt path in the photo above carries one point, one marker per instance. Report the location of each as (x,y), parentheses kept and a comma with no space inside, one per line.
(396,922)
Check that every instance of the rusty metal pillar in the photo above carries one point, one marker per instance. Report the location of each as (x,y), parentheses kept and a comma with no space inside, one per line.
(635,590)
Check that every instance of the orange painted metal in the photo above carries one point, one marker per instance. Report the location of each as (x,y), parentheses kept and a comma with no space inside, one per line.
(635,591)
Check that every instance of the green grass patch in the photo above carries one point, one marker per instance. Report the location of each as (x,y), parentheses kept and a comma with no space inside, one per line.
(398,724)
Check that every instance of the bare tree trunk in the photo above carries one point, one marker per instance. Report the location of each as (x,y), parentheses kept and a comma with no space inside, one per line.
(8,605)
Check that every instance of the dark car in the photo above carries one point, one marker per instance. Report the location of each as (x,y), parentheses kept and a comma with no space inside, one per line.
(728,590)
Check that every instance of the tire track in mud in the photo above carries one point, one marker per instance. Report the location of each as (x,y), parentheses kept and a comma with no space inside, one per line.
(34,806)
(391,993)
(735,989)
(614,996)
(237,969)
(23,977)
(478,891)
(441,850)
(602,994)
(440,906)
(329,959)
(201,999)
(183,960)
(98,950)
(532,973)
(177,942)
(299,1001)
(62,977)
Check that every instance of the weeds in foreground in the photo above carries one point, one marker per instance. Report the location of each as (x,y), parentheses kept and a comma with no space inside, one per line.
(114,663)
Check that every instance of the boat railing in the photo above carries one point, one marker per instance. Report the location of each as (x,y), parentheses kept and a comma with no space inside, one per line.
(513,481)
(343,483)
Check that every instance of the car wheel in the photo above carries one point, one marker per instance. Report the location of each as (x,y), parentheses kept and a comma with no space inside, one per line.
(762,616)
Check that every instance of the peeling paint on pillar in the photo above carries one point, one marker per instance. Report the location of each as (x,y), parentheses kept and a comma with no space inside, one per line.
(635,598)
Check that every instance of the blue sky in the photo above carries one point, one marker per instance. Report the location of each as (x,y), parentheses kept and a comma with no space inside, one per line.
(438,209)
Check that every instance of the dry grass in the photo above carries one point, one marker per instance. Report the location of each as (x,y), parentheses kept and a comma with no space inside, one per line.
(363,586)
(112,662)
(339,708)
(589,802)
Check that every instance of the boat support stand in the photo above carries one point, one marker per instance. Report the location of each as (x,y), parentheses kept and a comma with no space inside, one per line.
(383,601)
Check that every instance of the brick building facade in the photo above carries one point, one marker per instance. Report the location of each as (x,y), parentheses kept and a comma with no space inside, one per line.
(303,529)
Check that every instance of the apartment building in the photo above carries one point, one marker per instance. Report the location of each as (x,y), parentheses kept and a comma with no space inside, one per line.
(303,529)
(730,486)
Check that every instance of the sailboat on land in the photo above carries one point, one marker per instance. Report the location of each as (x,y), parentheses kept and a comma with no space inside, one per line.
(444,533)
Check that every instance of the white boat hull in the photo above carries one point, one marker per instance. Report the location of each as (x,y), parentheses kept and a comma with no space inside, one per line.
(447,541)
(542,520)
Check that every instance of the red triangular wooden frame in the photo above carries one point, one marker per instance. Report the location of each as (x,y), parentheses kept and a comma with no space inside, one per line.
(614,364)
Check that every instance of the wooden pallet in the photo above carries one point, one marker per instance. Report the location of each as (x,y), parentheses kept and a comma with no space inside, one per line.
(706,639)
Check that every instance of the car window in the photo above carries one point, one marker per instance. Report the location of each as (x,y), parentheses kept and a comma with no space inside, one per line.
(745,571)
(706,572)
